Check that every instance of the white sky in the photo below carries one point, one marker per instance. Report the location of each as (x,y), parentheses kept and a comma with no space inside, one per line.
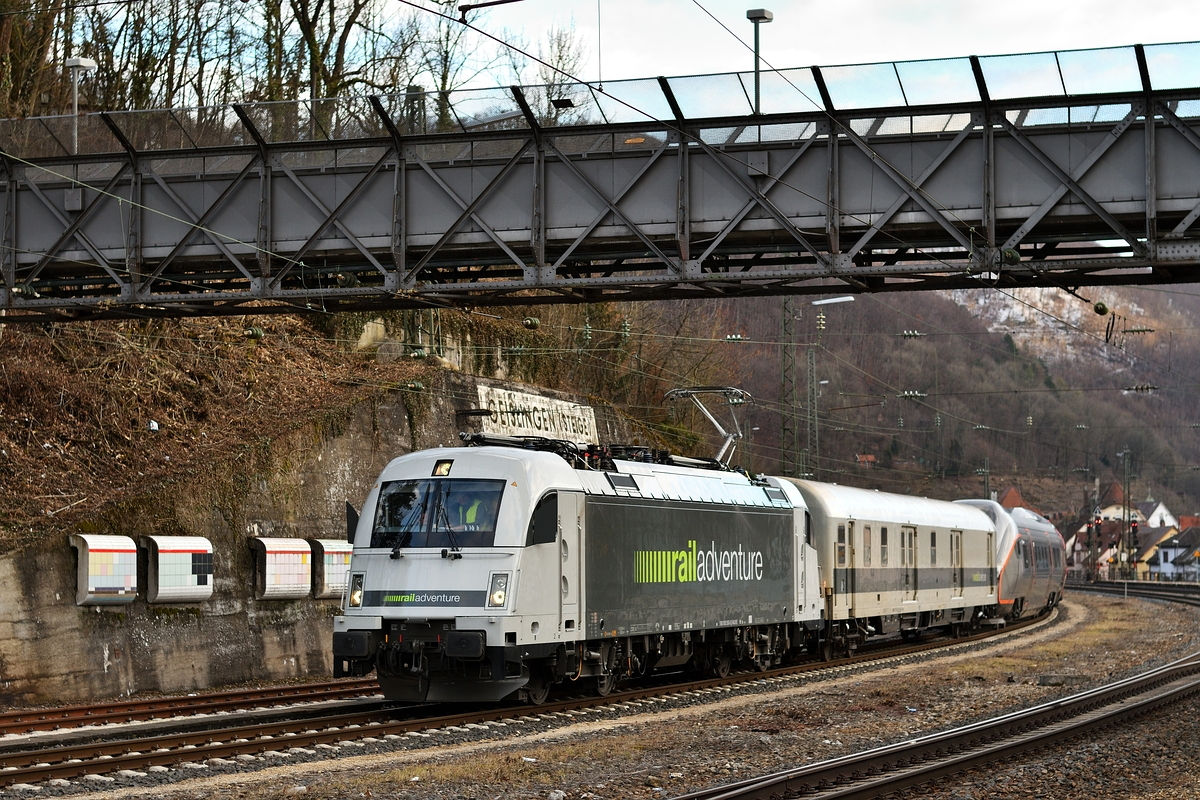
(644,38)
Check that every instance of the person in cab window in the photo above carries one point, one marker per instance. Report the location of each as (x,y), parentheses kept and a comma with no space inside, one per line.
(469,510)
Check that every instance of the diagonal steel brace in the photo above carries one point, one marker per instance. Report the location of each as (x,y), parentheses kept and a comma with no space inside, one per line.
(612,206)
(608,206)
(353,195)
(201,225)
(616,199)
(196,225)
(73,228)
(768,185)
(908,187)
(918,182)
(469,211)
(330,217)
(1081,170)
(1075,188)
(767,205)
(1194,140)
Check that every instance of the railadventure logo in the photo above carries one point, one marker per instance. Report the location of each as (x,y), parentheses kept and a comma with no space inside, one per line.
(692,566)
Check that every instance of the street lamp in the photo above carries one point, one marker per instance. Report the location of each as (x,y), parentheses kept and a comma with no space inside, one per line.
(77,65)
(73,200)
(757,16)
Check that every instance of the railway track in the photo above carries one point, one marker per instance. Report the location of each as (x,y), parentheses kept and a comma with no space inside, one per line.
(1182,593)
(49,719)
(130,752)
(895,767)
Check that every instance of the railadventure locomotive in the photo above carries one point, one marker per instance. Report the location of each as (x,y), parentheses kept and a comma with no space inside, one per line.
(518,563)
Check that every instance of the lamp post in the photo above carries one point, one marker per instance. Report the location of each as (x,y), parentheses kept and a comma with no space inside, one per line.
(73,198)
(77,65)
(757,16)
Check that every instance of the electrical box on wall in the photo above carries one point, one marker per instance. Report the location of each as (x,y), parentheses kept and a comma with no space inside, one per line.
(282,568)
(331,567)
(107,573)
(179,569)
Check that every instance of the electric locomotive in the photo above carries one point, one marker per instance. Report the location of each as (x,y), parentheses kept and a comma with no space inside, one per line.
(482,571)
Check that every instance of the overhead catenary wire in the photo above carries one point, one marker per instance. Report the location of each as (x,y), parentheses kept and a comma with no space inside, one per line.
(793,187)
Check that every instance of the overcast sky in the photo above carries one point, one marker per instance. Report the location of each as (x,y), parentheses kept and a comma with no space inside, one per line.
(643,38)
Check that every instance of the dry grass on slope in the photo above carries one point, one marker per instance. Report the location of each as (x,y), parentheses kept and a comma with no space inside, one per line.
(77,402)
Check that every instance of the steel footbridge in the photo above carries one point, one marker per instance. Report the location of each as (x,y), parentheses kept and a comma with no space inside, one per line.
(1068,169)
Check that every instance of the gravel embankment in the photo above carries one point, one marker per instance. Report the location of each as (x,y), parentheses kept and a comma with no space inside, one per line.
(665,749)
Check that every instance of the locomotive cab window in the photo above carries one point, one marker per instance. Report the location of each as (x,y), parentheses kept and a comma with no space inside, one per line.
(437,512)
(543,526)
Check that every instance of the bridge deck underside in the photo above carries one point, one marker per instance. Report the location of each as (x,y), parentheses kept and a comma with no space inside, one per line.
(1030,193)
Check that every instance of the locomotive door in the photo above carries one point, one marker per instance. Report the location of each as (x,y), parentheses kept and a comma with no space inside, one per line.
(908,560)
(956,564)
(570,522)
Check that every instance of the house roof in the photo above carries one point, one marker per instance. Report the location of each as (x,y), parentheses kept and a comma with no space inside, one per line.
(1147,507)
(1113,495)
(1011,498)
(1150,539)
(1188,521)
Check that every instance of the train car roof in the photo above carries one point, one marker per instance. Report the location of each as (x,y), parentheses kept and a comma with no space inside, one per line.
(535,470)
(540,470)
(848,502)
(669,482)
(1022,517)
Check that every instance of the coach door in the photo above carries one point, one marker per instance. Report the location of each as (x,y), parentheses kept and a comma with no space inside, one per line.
(956,563)
(570,522)
(851,568)
(908,560)
(991,549)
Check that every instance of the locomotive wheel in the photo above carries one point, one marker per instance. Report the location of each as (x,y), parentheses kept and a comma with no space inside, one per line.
(538,688)
(721,665)
(605,684)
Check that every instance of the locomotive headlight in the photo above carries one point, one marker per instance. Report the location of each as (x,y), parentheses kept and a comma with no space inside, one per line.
(356,591)
(498,590)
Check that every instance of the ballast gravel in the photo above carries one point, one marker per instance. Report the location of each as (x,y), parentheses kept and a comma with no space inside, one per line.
(665,747)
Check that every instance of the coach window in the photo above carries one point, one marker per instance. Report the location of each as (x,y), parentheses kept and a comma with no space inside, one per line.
(543,527)
(883,554)
(841,546)
(866,545)
(932,548)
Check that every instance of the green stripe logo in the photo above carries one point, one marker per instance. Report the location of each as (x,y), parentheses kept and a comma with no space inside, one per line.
(690,565)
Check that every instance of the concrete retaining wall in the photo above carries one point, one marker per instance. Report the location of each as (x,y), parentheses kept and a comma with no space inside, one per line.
(53,651)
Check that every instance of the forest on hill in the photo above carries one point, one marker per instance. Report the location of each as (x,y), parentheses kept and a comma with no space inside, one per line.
(973,391)
(1037,390)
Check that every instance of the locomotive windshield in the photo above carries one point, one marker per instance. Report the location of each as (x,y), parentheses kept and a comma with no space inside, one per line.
(437,512)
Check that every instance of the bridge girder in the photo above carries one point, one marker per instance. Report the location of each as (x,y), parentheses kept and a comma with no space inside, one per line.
(1066,192)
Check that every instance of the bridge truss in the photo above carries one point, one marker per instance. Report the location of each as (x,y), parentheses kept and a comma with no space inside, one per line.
(1084,169)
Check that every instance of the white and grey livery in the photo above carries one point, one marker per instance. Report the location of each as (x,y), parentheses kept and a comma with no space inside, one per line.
(485,571)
